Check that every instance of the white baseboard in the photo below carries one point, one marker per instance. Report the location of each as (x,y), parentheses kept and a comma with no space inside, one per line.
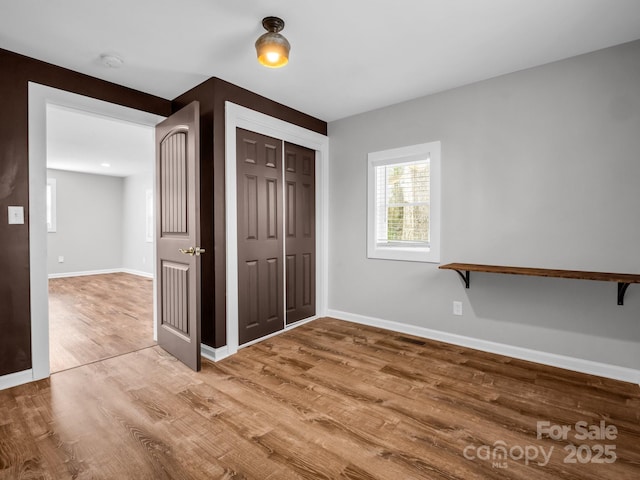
(85,273)
(615,372)
(139,273)
(101,272)
(15,379)
(214,354)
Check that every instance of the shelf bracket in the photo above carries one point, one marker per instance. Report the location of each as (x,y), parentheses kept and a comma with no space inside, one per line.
(622,289)
(465,277)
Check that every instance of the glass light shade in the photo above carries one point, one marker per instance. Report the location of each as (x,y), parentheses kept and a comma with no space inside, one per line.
(273,50)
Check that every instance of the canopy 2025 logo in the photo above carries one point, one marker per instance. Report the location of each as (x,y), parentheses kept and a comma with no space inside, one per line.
(499,453)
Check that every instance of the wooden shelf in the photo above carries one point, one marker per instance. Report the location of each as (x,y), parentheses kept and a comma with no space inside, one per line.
(623,279)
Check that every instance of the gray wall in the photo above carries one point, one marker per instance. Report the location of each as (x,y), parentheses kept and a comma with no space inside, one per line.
(137,253)
(101,223)
(89,223)
(540,168)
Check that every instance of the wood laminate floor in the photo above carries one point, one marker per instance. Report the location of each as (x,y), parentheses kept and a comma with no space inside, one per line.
(98,316)
(327,400)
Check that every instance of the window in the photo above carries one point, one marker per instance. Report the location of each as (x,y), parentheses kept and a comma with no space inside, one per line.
(404,203)
(51,205)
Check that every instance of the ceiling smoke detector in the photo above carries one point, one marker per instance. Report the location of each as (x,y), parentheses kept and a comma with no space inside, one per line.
(111,61)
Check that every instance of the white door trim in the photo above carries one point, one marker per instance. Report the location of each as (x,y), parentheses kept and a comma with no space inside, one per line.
(237,116)
(39,97)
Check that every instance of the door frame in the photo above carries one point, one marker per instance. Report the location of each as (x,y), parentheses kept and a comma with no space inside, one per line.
(242,117)
(39,97)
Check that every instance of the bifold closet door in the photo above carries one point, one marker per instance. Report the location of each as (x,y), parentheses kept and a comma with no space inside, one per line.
(260,242)
(300,232)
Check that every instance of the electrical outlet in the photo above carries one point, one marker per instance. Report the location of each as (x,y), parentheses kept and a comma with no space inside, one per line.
(457,308)
(60,259)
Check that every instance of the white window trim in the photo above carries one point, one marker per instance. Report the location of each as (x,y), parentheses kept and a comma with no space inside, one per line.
(431,254)
(51,183)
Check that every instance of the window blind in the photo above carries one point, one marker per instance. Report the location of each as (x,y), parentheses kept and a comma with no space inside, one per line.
(402,204)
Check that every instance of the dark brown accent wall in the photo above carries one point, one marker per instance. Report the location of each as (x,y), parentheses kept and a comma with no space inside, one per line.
(15,73)
(212,95)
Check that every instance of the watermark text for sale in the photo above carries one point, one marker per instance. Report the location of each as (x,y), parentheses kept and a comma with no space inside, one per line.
(588,443)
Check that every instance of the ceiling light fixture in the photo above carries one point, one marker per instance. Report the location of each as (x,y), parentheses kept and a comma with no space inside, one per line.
(105,164)
(273,48)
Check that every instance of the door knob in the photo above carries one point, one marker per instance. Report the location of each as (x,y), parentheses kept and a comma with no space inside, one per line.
(192,251)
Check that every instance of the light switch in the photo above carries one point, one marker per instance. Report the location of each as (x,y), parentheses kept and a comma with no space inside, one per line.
(16,215)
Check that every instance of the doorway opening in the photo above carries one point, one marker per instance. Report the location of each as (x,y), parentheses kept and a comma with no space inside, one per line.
(102,281)
(100,241)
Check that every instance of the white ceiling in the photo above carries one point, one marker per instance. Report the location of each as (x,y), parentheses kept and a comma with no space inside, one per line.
(86,142)
(347,56)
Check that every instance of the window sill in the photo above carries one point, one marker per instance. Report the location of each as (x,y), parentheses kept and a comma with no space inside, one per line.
(424,255)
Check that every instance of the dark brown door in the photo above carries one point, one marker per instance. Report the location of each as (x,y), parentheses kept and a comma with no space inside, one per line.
(260,244)
(300,231)
(178,235)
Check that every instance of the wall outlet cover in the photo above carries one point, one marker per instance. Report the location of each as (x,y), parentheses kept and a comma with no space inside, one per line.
(457,308)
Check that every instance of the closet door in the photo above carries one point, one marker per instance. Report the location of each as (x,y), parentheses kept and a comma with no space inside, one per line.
(260,242)
(300,232)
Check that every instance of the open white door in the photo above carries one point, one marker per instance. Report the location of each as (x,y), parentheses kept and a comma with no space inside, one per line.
(178,234)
